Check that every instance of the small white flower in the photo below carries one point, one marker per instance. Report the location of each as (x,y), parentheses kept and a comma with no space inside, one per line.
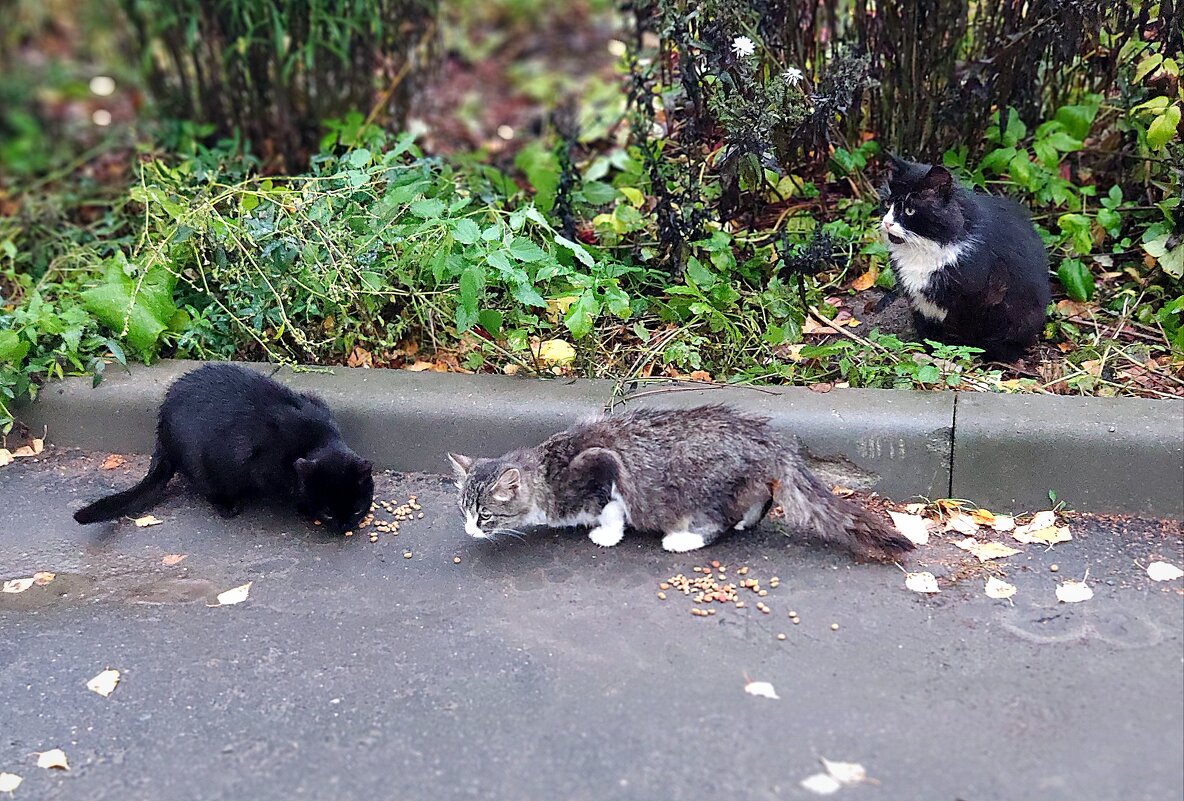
(792,75)
(742,46)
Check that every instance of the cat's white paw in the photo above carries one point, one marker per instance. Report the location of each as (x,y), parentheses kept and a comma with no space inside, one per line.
(682,541)
(606,536)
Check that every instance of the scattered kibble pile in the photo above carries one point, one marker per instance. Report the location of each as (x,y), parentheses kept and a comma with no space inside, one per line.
(408,510)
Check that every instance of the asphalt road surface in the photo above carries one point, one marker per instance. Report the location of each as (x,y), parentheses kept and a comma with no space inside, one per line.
(548,669)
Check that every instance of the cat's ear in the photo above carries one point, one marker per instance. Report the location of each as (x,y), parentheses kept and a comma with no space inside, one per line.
(897,165)
(461,465)
(507,484)
(304,467)
(939,180)
(364,470)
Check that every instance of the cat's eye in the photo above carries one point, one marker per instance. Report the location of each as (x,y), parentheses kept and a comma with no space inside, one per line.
(909,211)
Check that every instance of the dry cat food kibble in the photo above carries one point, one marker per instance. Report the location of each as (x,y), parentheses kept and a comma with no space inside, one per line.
(709,584)
(398,512)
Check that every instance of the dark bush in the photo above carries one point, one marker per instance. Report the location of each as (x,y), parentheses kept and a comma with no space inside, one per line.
(274,71)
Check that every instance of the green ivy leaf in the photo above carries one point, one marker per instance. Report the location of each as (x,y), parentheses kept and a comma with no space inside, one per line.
(582,314)
(1163,128)
(1077,279)
(13,349)
(145,306)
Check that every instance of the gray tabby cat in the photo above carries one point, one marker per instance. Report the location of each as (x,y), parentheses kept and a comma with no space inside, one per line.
(689,474)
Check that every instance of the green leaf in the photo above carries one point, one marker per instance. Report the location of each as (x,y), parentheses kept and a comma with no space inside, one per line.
(598,193)
(13,349)
(1063,142)
(997,160)
(699,274)
(145,307)
(491,321)
(466,231)
(1077,119)
(577,250)
(541,168)
(527,295)
(1077,227)
(358,158)
(1020,168)
(633,195)
(928,374)
(1077,279)
(472,285)
(1110,220)
(1171,261)
(523,249)
(427,208)
(1147,65)
(1163,128)
(1016,130)
(581,314)
(498,260)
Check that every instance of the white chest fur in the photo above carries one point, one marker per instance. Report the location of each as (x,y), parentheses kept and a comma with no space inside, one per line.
(915,260)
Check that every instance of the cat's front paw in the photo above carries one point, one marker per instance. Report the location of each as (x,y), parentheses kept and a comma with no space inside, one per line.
(682,541)
(606,536)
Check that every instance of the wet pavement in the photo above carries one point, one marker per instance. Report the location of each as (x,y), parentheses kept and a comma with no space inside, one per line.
(549,669)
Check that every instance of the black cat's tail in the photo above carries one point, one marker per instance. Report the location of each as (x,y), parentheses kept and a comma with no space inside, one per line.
(135,499)
(808,504)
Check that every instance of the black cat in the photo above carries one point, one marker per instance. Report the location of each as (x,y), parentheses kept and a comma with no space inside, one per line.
(234,433)
(972,266)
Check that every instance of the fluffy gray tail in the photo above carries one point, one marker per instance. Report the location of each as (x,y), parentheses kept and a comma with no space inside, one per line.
(808,504)
(137,498)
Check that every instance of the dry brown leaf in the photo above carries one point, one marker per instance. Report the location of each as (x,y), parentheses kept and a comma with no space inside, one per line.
(915,508)
(842,492)
(18,585)
(146,521)
(1073,308)
(54,758)
(1039,520)
(104,683)
(997,588)
(171,559)
(5,457)
(420,366)
(234,596)
(924,582)
(812,326)
(986,550)
(761,688)
(359,357)
(701,375)
(914,527)
(866,280)
(113,462)
(43,578)
(962,523)
(9,782)
(983,517)
(1046,536)
(1163,571)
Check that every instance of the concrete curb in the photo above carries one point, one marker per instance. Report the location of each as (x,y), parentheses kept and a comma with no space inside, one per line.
(1099,455)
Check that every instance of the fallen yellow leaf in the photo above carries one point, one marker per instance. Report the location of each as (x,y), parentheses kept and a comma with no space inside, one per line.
(1003,523)
(112,462)
(146,521)
(1073,592)
(556,351)
(913,527)
(171,559)
(235,596)
(997,588)
(761,688)
(19,585)
(43,578)
(986,550)
(9,782)
(1046,536)
(915,508)
(5,457)
(962,523)
(54,758)
(866,280)
(983,517)
(104,683)
(1163,571)
(420,366)
(1039,520)
(921,582)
